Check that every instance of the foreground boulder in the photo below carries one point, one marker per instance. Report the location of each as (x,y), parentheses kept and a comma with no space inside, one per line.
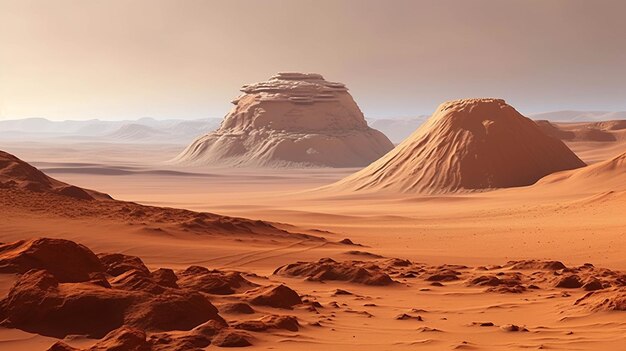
(66,260)
(64,289)
(125,338)
(39,303)
(117,263)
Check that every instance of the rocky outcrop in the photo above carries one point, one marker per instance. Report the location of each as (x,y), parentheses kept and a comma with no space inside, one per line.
(328,269)
(63,289)
(67,261)
(291,120)
(279,296)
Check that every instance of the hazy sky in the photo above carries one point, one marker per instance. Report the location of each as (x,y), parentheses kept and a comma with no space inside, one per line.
(115,59)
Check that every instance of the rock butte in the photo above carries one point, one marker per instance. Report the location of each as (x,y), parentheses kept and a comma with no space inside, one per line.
(291,120)
(466,145)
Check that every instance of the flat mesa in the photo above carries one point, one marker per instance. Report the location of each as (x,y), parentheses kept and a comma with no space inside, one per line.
(290,120)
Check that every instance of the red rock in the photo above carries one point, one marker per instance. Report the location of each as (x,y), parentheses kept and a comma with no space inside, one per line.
(513,328)
(186,342)
(73,192)
(604,300)
(172,312)
(445,275)
(136,280)
(346,241)
(209,328)
(66,260)
(536,265)
(231,338)
(328,269)
(270,322)
(236,308)
(485,280)
(61,346)
(116,264)
(570,282)
(38,303)
(212,281)
(396,262)
(341,292)
(165,277)
(279,296)
(122,339)
(593,285)
(405,316)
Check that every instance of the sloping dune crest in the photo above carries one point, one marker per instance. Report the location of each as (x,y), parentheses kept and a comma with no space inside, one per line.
(609,175)
(26,190)
(467,145)
(15,173)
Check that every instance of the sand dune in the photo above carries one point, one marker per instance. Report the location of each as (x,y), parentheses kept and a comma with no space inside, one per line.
(291,120)
(472,144)
(591,141)
(26,189)
(605,176)
(15,173)
(312,215)
(606,131)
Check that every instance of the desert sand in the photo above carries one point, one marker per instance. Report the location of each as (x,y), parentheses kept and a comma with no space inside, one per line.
(592,141)
(194,257)
(467,145)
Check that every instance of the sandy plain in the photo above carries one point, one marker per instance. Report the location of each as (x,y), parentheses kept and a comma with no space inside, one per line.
(576,223)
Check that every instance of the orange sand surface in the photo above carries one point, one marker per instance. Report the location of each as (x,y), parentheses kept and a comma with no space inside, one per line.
(575,218)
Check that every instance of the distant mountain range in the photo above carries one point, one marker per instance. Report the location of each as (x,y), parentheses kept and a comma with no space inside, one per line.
(397,129)
(178,131)
(144,130)
(579,116)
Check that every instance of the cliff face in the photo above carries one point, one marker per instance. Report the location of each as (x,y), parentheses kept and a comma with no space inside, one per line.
(291,120)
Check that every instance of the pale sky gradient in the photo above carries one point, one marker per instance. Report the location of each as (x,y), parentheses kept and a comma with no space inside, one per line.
(117,59)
